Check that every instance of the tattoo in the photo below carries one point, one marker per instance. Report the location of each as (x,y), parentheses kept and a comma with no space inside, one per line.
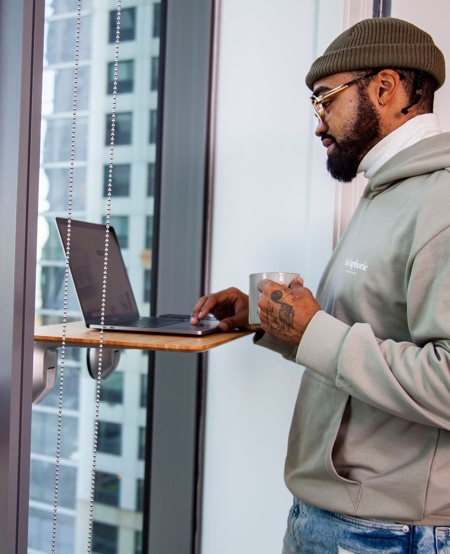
(282,321)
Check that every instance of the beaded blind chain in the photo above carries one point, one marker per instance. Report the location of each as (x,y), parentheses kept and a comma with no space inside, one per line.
(66,278)
(67,273)
(105,274)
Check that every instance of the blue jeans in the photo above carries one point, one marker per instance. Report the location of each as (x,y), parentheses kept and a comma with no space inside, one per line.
(314,531)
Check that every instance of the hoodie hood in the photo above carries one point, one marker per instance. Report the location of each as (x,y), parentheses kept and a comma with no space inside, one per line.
(411,162)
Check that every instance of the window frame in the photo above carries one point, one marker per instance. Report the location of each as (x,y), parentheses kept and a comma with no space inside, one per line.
(183,194)
(21,54)
(186,91)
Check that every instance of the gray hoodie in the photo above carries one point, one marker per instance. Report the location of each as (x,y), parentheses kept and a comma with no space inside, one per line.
(370,435)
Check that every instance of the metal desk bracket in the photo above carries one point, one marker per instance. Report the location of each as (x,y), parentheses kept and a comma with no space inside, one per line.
(45,366)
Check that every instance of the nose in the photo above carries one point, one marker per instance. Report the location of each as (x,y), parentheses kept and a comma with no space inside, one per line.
(321,128)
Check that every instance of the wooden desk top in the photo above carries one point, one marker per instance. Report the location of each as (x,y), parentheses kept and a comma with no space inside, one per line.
(77,334)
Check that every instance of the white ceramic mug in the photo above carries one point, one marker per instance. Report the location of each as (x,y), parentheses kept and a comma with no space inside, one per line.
(255,278)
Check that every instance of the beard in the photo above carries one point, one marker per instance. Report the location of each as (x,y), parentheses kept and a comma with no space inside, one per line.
(362,135)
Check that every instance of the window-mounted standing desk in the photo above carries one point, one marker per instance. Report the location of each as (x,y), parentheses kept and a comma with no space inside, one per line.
(48,338)
(77,334)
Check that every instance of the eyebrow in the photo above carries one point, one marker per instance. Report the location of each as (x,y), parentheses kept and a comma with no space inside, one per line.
(320,90)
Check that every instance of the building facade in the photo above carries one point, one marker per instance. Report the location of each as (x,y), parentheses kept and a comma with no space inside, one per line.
(119,483)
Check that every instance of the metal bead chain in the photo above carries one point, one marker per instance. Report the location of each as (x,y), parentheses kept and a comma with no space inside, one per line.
(66,279)
(105,276)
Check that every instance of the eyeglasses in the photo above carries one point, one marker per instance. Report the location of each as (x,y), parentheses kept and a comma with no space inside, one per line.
(317,101)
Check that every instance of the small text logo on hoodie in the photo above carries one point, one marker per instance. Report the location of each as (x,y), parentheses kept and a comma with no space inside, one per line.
(353,265)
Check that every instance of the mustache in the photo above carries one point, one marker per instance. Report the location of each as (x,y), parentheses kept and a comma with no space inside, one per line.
(324,136)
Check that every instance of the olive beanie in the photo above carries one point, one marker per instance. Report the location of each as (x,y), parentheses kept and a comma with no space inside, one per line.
(383,42)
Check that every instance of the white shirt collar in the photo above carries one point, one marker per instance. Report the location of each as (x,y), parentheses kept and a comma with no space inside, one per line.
(415,129)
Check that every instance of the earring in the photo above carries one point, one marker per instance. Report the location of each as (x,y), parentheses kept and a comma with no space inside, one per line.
(381,102)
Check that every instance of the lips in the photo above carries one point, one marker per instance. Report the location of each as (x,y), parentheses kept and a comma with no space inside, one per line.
(329,144)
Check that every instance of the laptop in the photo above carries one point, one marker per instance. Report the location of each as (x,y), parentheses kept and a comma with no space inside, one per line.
(86,259)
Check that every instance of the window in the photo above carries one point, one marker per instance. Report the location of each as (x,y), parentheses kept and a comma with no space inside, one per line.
(156,20)
(120,224)
(62,6)
(51,288)
(153,123)
(93,102)
(141,447)
(122,128)
(40,531)
(121,177)
(52,249)
(42,478)
(112,388)
(140,495)
(147,285)
(133,191)
(125,77)
(44,432)
(63,89)
(143,397)
(127,24)
(110,438)
(138,542)
(107,488)
(57,140)
(151,179)
(57,182)
(104,538)
(149,231)
(61,40)
(154,74)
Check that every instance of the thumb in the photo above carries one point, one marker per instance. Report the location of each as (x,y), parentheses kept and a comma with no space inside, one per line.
(227,324)
(297,282)
(237,321)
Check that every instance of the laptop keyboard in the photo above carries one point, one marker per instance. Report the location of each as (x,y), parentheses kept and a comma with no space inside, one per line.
(151,322)
(156,321)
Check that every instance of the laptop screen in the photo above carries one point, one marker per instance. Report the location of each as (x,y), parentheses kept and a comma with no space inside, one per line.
(86,262)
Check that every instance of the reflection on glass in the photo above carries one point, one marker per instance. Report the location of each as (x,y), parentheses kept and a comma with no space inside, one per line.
(119,489)
(107,488)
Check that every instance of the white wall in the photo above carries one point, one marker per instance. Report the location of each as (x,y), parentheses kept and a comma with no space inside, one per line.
(273,211)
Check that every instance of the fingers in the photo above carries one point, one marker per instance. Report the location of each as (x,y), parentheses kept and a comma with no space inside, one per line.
(229,323)
(296,283)
(230,306)
(203,307)
(266,283)
(285,312)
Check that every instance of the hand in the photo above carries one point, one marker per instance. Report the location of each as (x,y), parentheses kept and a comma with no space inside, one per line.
(230,306)
(286,311)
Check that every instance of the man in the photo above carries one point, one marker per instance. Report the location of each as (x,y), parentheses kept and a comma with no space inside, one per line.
(368,459)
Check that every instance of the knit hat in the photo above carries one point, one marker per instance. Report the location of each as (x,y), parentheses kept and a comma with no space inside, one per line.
(382,42)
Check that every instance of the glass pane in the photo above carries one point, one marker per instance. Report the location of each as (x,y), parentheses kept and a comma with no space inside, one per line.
(119,480)
(107,488)
(125,77)
(127,25)
(123,128)
(121,177)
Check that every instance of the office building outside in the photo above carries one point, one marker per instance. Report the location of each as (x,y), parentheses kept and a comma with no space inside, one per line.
(118,507)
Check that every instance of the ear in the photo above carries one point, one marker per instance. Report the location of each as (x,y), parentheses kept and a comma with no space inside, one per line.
(387,85)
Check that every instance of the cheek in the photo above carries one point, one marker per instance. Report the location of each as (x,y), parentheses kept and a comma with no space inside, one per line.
(341,127)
